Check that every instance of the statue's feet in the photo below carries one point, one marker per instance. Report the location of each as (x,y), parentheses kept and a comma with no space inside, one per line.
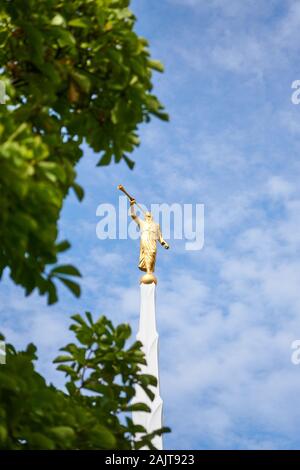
(148,278)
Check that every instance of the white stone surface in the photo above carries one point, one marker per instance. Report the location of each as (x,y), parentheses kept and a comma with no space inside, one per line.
(148,335)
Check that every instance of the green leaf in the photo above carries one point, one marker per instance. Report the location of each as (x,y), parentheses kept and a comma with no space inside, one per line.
(129,162)
(123,331)
(65,38)
(103,437)
(68,370)
(58,20)
(31,350)
(80,23)
(149,392)
(62,358)
(161,115)
(37,440)
(71,285)
(52,293)
(62,432)
(3,434)
(124,13)
(71,387)
(156,65)
(78,191)
(148,379)
(7,382)
(105,160)
(90,318)
(78,318)
(96,387)
(82,80)
(138,407)
(63,246)
(66,269)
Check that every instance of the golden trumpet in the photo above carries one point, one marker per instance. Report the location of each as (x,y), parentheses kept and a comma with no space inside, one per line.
(121,188)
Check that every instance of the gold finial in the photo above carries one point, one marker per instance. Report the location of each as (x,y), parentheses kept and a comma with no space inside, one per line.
(150,235)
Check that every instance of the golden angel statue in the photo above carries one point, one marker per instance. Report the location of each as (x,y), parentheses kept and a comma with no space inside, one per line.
(150,235)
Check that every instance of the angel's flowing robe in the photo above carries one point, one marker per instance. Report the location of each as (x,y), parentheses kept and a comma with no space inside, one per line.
(150,234)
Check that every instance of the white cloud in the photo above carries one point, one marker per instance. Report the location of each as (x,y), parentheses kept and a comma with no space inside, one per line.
(228,43)
(280,188)
(231,8)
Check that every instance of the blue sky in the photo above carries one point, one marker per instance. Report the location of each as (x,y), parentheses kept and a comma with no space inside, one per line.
(226,314)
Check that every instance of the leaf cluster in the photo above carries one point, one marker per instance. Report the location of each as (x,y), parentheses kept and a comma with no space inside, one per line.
(94,411)
(75,72)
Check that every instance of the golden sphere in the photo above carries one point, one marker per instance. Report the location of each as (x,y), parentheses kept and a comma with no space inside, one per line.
(148,279)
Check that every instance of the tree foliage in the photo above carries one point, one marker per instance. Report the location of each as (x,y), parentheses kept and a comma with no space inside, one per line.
(93,414)
(75,71)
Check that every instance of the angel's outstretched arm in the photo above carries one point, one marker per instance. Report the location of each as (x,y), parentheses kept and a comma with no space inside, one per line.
(162,241)
(133,214)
